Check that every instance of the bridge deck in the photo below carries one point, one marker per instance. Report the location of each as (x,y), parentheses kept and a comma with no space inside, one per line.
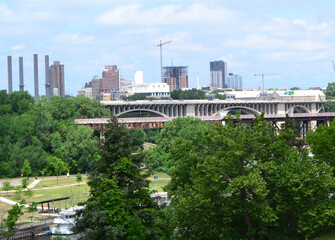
(244,118)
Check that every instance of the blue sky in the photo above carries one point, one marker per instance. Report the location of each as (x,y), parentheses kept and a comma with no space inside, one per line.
(293,38)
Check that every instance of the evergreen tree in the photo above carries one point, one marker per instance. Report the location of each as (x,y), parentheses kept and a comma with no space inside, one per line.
(119,199)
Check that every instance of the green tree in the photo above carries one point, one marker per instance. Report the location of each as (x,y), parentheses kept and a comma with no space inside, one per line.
(6,186)
(322,142)
(329,106)
(188,94)
(136,96)
(24,183)
(119,192)
(295,88)
(330,90)
(188,128)
(26,170)
(79,178)
(13,216)
(56,166)
(32,208)
(242,182)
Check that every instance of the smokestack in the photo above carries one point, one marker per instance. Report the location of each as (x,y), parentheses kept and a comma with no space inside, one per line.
(10,80)
(47,77)
(21,73)
(36,77)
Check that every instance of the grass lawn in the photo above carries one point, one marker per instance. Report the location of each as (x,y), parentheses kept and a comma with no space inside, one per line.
(62,181)
(77,193)
(158,184)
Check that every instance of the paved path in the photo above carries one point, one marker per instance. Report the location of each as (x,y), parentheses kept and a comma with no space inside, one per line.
(33,184)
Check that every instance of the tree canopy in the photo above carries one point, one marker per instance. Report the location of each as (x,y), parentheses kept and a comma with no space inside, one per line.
(32,132)
(119,206)
(242,182)
(188,94)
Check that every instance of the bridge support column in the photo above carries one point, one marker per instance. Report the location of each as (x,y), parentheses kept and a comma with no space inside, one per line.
(281,108)
(190,110)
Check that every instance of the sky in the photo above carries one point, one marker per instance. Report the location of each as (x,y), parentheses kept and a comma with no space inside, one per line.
(295,39)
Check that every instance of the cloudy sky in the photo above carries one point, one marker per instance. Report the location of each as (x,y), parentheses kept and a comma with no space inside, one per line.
(294,38)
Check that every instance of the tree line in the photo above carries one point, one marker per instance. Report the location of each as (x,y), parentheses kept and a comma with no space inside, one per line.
(227,182)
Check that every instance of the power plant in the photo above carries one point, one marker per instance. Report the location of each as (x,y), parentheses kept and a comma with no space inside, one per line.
(49,88)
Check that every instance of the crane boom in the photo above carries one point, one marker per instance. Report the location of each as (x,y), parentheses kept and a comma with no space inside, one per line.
(160,46)
(264,74)
(333,65)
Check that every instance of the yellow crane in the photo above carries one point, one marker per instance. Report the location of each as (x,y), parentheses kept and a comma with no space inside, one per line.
(265,74)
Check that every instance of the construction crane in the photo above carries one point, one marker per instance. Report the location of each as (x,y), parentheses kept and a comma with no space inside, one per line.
(160,46)
(264,74)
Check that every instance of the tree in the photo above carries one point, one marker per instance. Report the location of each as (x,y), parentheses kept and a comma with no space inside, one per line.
(32,208)
(241,182)
(24,183)
(79,178)
(13,216)
(26,170)
(136,96)
(322,142)
(295,88)
(188,128)
(119,198)
(56,166)
(330,90)
(329,106)
(188,94)
(6,186)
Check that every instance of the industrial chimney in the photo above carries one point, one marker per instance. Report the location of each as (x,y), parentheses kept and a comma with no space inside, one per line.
(36,77)
(21,73)
(47,77)
(10,80)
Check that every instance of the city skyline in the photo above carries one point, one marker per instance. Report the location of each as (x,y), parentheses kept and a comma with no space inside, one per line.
(295,39)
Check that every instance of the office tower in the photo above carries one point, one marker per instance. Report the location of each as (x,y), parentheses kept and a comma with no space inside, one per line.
(36,77)
(110,79)
(47,77)
(234,81)
(10,79)
(218,71)
(176,77)
(21,73)
(56,75)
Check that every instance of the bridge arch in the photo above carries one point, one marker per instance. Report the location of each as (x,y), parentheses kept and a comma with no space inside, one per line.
(141,110)
(248,110)
(298,109)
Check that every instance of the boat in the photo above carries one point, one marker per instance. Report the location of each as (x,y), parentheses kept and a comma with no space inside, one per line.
(64,221)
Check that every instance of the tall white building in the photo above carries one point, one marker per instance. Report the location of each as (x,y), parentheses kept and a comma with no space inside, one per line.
(234,81)
(138,77)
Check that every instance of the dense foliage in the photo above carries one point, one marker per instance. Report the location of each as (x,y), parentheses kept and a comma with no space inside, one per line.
(119,206)
(34,135)
(158,158)
(240,182)
(330,91)
(188,94)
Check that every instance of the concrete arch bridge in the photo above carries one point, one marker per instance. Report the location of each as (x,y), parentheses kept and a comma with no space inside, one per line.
(200,108)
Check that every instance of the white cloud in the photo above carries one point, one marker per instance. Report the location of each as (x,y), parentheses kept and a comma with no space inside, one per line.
(74,39)
(18,47)
(165,15)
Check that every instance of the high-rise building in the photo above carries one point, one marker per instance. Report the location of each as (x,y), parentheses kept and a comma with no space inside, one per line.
(176,77)
(110,80)
(57,79)
(234,81)
(218,71)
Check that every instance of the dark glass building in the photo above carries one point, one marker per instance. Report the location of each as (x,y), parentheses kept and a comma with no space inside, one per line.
(218,73)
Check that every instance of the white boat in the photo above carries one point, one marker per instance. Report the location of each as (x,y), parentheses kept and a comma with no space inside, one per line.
(64,222)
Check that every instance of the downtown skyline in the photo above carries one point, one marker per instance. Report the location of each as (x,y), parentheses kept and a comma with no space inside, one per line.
(296,39)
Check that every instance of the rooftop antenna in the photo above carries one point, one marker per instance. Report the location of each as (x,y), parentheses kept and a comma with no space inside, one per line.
(265,74)
(160,46)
